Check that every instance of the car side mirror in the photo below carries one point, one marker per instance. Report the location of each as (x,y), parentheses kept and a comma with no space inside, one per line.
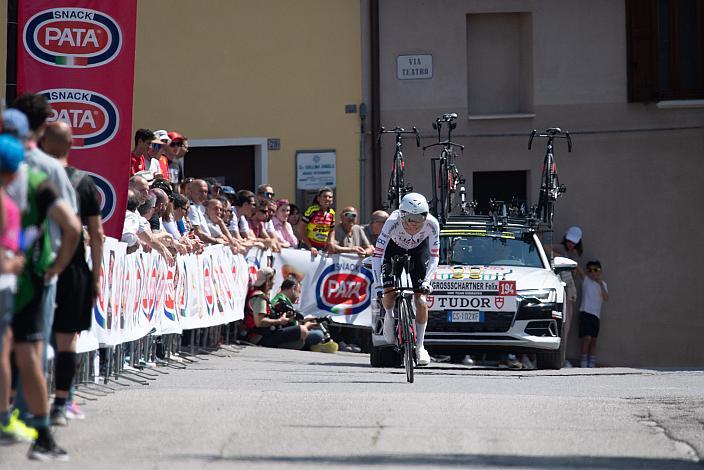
(561,264)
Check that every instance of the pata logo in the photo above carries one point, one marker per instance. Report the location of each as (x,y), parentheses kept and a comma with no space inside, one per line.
(72,37)
(93,118)
(341,290)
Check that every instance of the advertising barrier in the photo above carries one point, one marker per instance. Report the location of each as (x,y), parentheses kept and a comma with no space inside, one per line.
(140,294)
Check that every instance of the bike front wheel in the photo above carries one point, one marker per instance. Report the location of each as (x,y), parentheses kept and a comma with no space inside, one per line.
(407,338)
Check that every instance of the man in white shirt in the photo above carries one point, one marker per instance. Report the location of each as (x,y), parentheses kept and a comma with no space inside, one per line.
(198,194)
(594,294)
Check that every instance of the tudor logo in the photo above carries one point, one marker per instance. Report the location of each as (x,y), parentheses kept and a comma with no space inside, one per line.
(93,118)
(343,291)
(72,37)
(499,302)
(430,301)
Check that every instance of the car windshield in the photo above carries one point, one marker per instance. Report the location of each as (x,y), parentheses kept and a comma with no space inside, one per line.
(493,251)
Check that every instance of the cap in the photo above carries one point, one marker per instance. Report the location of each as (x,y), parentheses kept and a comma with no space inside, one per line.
(146,174)
(11,153)
(263,275)
(574,234)
(15,122)
(228,190)
(162,135)
(173,135)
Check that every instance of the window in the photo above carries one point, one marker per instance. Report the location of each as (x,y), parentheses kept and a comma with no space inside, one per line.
(665,49)
(499,64)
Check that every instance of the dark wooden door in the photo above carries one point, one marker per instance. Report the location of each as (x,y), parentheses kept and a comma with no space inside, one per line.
(233,165)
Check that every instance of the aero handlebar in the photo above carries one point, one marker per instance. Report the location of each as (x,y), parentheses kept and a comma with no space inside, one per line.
(550,134)
(444,144)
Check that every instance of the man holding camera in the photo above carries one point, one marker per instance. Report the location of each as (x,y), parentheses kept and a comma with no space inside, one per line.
(317,340)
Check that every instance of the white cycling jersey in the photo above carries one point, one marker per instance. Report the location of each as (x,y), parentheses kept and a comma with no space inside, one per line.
(393,230)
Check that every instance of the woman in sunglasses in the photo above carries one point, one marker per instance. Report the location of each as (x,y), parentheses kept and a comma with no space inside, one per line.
(409,230)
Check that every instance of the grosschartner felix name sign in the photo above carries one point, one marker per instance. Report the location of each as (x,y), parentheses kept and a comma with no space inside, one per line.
(414,67)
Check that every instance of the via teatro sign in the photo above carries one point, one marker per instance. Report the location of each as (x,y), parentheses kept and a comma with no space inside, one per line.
(414,67)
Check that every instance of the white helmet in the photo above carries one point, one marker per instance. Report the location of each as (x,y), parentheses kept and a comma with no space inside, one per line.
(414,203)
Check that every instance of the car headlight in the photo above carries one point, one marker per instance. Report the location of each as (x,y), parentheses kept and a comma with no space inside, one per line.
(542,295)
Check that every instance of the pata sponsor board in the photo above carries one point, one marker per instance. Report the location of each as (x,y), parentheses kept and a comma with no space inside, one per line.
(72,37)
(93,118)
(493,303)
(343,289)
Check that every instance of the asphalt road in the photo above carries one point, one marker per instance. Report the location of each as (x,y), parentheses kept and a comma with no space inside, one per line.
(263,408)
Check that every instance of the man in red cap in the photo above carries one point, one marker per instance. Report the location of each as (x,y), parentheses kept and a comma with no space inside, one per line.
(173,151)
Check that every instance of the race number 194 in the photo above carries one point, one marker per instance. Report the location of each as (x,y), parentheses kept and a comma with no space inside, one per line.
(507,287)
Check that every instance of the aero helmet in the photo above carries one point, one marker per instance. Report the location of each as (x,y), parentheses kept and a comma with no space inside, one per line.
(414,203)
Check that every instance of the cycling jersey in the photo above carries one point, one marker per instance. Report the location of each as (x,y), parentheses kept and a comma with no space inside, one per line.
(319,223)
(394,238)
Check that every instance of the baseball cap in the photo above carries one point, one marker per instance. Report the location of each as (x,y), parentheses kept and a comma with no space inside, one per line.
(574,234)
(162,135)
(15,122)
(11,153)
(229,190)
(146,174)
(173,135)
(262,275)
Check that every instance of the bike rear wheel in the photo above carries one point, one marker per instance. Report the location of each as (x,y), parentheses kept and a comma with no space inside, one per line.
(407,338)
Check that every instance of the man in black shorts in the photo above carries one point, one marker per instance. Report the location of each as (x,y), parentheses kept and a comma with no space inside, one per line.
(78,285)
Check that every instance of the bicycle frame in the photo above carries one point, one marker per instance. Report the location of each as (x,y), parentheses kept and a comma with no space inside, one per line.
(550,188)
(397,186)
(405,329)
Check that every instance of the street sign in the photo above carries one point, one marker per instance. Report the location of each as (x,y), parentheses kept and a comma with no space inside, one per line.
(315,169)
(414,67)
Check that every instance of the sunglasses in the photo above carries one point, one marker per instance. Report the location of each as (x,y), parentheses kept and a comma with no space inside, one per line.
(417,218)
(268,195)
(594,270)
(176,144)
(156,146)
(350,215)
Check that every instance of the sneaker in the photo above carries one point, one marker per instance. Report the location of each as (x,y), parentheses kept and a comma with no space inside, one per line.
(592,363)
(422,356)
(354,348)
(389,329)
(16,430)
(510,363)
(329,347)
(526,363)
(583,364)
(73,411)
(567,364)
(46,450)
(58,416)
(468,361)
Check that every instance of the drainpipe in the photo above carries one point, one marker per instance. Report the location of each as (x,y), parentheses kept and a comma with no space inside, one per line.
(363,161)
(375,111)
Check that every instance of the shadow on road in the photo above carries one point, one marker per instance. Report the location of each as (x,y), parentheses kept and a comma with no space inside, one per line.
(459,460)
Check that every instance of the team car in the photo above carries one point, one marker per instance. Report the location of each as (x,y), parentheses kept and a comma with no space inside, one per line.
(494,290)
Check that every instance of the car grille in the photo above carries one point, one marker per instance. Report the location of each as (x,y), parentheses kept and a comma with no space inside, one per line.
(494,322)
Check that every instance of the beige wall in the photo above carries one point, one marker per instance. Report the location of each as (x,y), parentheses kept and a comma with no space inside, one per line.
(634,177)
(242,69)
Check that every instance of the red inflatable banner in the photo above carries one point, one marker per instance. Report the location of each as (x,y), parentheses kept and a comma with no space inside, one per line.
(80,55)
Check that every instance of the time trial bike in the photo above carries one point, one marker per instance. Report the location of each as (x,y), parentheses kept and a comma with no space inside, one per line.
(397,185)
(550,187)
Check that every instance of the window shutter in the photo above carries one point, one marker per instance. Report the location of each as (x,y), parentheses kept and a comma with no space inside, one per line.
(641,37)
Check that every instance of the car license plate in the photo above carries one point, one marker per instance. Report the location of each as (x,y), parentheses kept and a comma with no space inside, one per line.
(464,316)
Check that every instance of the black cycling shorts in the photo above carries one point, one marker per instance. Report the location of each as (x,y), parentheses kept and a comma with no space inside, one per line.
(28,322)
(74,299)
(420,256)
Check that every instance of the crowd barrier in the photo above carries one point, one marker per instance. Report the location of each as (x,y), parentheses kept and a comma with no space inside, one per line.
(141,295)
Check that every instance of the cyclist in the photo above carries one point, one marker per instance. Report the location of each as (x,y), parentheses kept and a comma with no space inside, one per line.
(408,230)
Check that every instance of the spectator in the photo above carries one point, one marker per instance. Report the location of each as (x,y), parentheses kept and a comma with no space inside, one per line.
(214,188)
(349,237)
(181,207)
(294,215)
(257,225)
(154,154)
(594,294)
(163,136)
(265,191)
(316,228)
(78,285)
(131,226)
(283,229)
(183,187)
(218,230)
(283,302)
(33,316)
(142,140)
(198,193)
(174,157)
(373,228)
(570,247)
(244,209)
(140,191)
(146,210)
(265,327)
(230,193)
(11,156)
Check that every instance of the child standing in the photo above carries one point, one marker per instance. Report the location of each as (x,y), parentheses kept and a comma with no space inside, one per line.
(594,294)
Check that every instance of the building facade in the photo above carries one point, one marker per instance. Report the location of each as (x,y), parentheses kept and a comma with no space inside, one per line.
(633,178)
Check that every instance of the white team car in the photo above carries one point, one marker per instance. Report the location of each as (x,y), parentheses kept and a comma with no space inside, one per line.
(494,290)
